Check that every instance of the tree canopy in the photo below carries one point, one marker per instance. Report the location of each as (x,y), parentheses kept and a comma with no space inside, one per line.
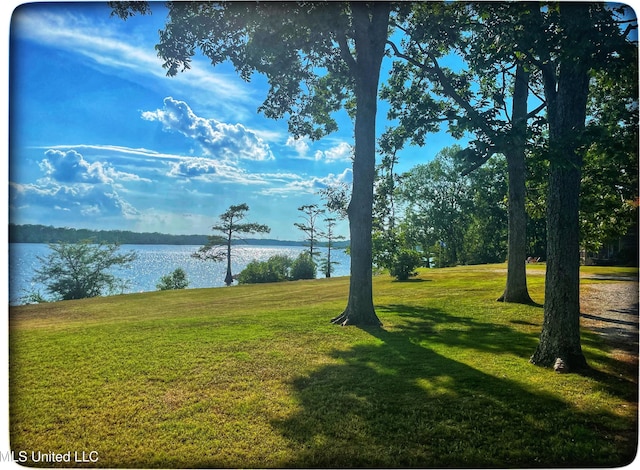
(320,57)
(80,270)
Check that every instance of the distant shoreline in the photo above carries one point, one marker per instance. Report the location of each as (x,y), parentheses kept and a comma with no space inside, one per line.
(35,233)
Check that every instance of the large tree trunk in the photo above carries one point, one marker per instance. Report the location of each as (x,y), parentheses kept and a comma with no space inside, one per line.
(370,24)
(516,288)
(560,337)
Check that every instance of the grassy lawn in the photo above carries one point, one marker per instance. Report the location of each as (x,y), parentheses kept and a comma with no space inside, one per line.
(256,376)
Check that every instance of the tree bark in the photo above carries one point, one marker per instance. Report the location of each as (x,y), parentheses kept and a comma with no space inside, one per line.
(328,271)
(560,337)
(228,279)
(370,24)
(516,288)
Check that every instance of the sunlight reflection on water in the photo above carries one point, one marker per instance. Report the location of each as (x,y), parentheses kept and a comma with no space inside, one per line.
(153,262)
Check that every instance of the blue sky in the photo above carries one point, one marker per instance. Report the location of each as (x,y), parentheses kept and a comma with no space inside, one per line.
(101,138)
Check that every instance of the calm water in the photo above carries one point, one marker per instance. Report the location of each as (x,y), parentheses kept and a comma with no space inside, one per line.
(153,262)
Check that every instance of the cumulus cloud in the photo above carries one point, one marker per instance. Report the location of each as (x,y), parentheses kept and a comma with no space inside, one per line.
(301,145)
(311,185)
(192,168)
(71,167)
(205,169)
(343,152)
(74,185)
(101,202)
(217,139)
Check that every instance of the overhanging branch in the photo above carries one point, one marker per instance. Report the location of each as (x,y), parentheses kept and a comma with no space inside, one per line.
(448,88)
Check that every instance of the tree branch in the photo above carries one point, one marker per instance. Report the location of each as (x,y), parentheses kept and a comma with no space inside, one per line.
(451,91)
(345,53)
(537,110)
(473,167)
(537,95)
(629,28)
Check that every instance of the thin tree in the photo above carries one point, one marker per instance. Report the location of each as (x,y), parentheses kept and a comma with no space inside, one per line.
(336,199)
(219,247)
(291,43)
(385,233)
(310,214)
(330,237)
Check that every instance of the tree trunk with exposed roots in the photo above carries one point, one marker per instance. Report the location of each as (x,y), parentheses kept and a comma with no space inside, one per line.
(567,102)
(370,24)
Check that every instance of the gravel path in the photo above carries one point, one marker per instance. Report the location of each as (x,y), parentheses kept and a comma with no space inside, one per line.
(611,309)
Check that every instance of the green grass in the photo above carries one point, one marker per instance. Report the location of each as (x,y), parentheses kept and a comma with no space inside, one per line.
(256,376)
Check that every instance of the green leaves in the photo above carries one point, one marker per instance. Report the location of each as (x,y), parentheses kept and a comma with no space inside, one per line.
(404,264)
(80,270)
(230,222)
(176,280)
(218,247)
(456,217)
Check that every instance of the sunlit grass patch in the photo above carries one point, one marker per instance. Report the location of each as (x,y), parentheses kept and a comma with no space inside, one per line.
(256,376)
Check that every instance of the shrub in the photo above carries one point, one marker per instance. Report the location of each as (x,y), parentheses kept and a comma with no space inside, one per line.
(175,280)
(33,297)
(404,263)
(280,265)
(80,270)
(275,269)
(278,268)
(303,267)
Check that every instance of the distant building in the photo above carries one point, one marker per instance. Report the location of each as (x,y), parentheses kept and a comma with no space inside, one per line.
(622,251)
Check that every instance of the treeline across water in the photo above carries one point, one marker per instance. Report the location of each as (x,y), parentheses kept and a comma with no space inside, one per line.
(35,233)
(49,234)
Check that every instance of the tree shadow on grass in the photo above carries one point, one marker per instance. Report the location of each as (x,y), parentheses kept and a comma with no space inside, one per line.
(398,403)
(437,327)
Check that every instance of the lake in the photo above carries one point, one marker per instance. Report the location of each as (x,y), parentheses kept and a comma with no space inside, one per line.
(155,261)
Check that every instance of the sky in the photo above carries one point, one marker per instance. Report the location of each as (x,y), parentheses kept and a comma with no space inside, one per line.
(101,138)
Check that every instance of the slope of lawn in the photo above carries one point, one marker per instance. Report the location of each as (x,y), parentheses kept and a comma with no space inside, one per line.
(256,376)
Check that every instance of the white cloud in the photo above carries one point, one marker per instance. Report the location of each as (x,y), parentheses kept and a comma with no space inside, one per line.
(107,46)
(342,152)
(301,145)
(310,185)
(206,169)
(76,186)
(82,200)
(179,166)
(113,149)
(231,142)
(192,168)
(71,167)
